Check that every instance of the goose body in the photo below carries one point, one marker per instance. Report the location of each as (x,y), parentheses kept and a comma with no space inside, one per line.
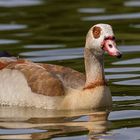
(25,83)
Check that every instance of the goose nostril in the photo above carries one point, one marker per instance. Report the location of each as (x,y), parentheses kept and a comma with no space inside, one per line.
(110,45)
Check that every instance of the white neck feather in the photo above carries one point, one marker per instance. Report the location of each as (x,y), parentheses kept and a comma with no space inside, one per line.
(94,66)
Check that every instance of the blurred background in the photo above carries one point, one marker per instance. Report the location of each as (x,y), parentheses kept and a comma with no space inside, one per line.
(54,31)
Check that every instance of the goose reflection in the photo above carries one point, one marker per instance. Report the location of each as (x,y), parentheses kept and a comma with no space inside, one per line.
(31,123)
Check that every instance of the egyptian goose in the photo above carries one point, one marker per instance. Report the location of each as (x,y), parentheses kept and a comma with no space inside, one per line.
(25,83)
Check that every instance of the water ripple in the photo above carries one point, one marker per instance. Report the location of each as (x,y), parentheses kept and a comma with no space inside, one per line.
(8,41)
(121,76)
(122,69)
(91,10)
(124,114)
(134,3)
(56,52)
(130,48)
(45,46)
(128,62)
(134,82)
(17,3)
(20,131)
(125,98)
(112,17)
(135,25)
(53,58)
(123,134)
(4,27)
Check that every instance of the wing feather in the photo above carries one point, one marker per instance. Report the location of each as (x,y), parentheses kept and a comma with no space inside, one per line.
(39,80)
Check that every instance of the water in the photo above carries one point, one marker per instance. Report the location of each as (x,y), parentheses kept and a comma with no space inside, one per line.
(54,31)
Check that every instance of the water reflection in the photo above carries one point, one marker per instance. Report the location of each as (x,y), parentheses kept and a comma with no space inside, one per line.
(125,98)
(135,25)
(112,17)
(119,115)
(46,46)
(91,10)
(8,41)
(122,69)
(134,3)
(19,131)
(22,34)
(55,54)
(133,82)
(5,27)
(123,134)
(130,48)
(40,124)
(53,58)
(128,62)
(16,3)
(121,76)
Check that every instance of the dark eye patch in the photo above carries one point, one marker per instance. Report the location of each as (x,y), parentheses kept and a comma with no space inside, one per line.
(113,38)
(109,38)
(96,32)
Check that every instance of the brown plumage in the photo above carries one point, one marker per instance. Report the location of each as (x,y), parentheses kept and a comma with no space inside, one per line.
(95,84)
(69,77)
(46,79)
(39,80)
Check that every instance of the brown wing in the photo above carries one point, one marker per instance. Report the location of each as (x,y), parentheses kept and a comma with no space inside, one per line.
(39,80)
(69,77)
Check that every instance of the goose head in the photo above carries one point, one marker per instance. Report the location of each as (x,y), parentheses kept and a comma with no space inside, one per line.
(100,39)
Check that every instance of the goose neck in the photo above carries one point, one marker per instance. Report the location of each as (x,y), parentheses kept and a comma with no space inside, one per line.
(94,66)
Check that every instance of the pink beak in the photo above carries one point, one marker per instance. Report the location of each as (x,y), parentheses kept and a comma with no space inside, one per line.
(109,46)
